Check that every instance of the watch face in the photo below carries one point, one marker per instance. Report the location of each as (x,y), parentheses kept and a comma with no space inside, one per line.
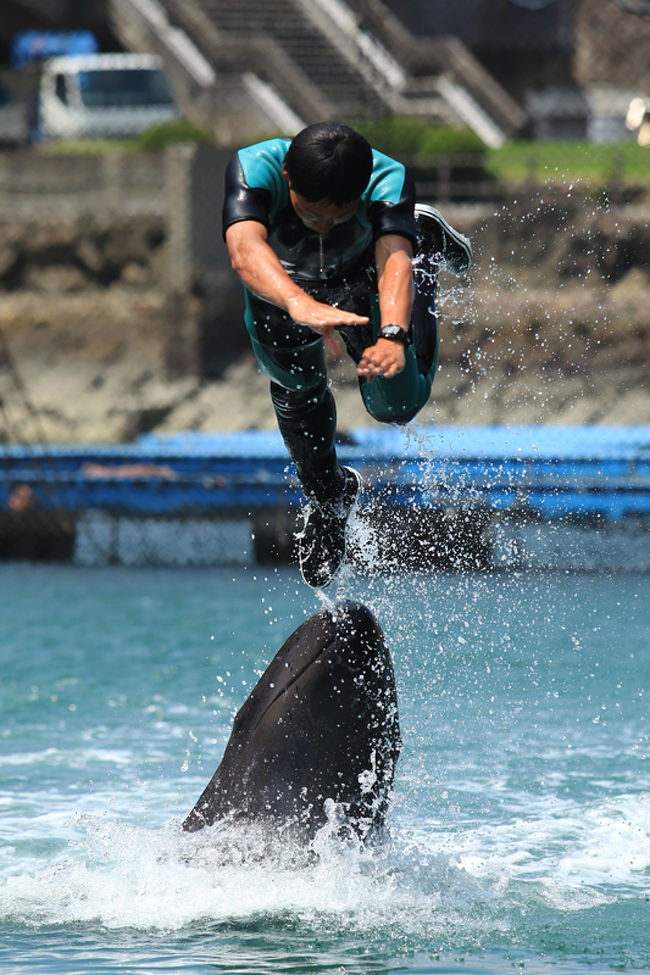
(395,333)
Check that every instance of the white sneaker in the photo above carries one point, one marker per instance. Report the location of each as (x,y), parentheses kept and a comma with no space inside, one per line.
(447,247)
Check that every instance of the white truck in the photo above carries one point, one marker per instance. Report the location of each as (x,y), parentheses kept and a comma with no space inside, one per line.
(102,96)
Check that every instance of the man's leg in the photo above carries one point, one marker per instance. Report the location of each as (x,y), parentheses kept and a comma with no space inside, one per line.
(306,415)
(399,399)
(307,422)
(292,357)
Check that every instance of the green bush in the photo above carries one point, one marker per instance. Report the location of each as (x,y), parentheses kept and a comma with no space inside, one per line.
(166,133)
(152,139)
(401,135)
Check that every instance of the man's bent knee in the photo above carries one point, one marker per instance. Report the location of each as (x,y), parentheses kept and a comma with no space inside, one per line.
(399,399)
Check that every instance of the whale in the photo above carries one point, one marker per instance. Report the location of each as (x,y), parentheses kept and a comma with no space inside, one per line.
(318,738)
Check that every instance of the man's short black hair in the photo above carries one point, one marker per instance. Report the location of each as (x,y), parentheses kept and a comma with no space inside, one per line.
(329,161)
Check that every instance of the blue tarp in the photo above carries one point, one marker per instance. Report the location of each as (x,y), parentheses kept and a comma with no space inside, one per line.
(31,46)
(486,442)
(550,472)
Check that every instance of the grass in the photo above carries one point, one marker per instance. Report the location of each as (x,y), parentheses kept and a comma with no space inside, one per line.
(88,147)
(569,162)
(512,165)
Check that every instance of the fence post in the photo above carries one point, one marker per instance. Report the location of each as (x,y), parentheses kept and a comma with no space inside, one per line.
(617,193)
(112,174)
(443,179)
(182,340)
(178,189)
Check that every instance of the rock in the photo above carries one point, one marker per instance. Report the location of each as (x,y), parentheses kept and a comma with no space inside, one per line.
(55,280)
(135,275)
(93,348)
(632,286)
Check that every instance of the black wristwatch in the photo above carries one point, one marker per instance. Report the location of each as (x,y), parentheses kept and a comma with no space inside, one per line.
(395,334)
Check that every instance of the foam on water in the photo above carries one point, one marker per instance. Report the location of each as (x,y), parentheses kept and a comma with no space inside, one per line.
(421,882)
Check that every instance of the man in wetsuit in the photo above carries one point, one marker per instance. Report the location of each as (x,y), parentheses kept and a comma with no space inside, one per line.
(322,230)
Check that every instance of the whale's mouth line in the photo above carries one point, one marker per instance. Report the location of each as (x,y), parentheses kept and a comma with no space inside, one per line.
(295,677)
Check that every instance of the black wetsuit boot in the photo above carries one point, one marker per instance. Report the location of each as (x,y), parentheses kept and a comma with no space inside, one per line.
(321,543)
(307,422)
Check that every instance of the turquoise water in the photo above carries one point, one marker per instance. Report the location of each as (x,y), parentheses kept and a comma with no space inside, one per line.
(520,834)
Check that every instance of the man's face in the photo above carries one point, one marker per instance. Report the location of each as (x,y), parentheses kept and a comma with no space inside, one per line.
(323,215)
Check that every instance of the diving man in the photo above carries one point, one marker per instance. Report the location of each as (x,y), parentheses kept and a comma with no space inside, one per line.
(322,230)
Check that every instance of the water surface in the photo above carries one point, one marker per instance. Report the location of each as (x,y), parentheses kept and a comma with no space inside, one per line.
(520,833)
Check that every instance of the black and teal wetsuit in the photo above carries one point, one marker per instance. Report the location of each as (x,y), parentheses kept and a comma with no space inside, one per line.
(337,268)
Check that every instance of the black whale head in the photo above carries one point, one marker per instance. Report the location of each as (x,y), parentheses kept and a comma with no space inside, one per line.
(321,724)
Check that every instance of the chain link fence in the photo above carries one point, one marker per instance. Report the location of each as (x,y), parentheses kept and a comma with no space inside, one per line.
(122,319)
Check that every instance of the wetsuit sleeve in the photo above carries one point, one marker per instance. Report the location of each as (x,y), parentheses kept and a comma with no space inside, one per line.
(241,201)
(391,199)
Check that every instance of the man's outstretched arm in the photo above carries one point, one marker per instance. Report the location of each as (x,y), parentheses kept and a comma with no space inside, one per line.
(258,266)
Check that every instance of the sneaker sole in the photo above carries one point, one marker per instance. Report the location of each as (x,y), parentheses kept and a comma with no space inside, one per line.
(458,266)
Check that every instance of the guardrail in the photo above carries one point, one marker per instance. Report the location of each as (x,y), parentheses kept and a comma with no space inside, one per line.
(606,474)
(472,498)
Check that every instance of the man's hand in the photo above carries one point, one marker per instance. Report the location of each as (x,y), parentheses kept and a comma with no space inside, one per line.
(385,358)
(319,316)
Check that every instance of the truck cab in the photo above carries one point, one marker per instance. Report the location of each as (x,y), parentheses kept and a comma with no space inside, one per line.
(102,96)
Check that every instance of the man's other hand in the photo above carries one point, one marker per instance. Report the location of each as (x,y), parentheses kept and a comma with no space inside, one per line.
(385,358)
(319,316)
